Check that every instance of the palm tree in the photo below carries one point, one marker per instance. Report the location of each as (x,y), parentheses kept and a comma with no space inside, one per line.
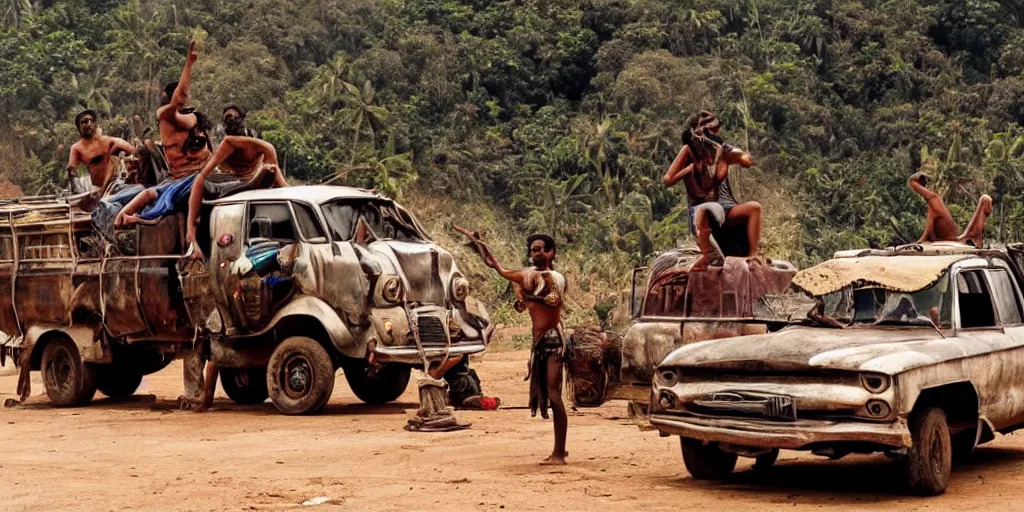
(554,205)
(363,114)
(92,90)
(598,138)
(14,11)
(390,172)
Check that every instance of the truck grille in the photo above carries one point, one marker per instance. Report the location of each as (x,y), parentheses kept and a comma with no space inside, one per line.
(432,332)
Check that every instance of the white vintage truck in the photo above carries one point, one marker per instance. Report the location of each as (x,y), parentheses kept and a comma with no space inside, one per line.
(299,282)
(917,352)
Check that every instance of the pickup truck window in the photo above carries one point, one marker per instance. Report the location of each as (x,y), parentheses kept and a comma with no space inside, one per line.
(1005,297)
(975,300)
(271,221)
(307,221)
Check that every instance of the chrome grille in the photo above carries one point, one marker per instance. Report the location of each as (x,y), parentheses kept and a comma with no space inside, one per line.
(432,332)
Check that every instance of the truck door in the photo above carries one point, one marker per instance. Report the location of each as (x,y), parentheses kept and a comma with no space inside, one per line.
(1004,376)
(263,276)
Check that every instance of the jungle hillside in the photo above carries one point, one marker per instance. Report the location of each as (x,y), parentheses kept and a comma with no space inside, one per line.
(517,116)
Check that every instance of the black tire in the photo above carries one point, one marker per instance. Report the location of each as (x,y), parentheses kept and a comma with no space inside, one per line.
(930,460)
(245,386)
(116,381)
(765,461)
(68,380)
(300,376)
(387,383)
(706,461)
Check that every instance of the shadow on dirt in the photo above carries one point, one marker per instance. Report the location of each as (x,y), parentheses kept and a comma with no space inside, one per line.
(867,478)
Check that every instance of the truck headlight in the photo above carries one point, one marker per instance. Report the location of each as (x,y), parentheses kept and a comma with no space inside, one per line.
(460,289)
(668,377)
(878,408)
(875,382)
(390,289)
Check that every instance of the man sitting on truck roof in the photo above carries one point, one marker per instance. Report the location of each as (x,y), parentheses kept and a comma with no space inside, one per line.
(95,151)
(703,166)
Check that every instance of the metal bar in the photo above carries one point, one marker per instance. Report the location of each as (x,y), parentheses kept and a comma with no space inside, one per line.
(14,273)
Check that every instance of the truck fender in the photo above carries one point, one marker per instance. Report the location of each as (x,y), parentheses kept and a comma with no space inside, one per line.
(309,306)
(90,348)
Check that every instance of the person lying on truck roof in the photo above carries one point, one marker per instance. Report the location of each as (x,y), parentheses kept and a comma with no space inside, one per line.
(95,151)
(940,226)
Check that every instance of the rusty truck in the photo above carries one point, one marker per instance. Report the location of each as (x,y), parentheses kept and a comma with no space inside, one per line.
(297,283)
(915,351)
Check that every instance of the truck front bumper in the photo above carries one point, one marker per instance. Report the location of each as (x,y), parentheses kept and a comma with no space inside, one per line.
(410,355)
(794,435)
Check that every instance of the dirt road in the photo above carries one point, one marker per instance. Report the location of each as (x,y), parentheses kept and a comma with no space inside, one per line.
(145,454)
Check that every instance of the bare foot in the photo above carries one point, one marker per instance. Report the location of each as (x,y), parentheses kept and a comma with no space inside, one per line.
(553,460)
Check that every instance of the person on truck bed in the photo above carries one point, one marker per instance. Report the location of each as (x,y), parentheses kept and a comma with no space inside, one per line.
(183,131)
(95,151)
(703,167)
(245,159)
(234,122)
(940,226)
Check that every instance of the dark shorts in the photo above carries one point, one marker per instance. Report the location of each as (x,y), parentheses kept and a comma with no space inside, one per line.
(715,209)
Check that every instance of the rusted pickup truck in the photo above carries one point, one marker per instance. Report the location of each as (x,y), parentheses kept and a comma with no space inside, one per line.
(676,307)
(917,352)
(299,282)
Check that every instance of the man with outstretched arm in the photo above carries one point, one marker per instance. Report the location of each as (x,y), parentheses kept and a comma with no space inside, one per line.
(940,226)
(183,131)
(95,151)
(541,291)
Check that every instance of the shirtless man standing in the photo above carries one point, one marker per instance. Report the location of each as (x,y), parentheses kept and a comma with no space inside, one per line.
(703,167)
(95,151)
(541,290)
(940,226)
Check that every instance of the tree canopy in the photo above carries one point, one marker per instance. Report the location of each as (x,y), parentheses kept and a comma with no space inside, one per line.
(563,113)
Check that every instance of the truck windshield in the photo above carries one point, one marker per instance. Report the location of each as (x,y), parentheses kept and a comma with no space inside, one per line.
(879,306)
(385,220)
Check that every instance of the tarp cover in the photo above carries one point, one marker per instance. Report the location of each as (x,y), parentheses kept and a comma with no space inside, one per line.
(906,274)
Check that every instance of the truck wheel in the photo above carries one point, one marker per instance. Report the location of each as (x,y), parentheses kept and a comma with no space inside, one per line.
(929,461)
(245,386)
(706,461)
(300,377)
(68,380)
(387,384)
(117,381)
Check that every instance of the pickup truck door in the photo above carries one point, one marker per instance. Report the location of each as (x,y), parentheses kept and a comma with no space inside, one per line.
(991,337)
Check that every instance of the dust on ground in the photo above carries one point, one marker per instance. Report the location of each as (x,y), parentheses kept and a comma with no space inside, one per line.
(143,453)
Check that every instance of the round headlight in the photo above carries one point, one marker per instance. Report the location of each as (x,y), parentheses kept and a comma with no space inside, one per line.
(878,408)
(875,382)
(668,378)
(391,289)
(460,289)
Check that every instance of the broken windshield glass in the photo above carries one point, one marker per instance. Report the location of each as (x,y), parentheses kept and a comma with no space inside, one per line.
(878,306)
(385,221)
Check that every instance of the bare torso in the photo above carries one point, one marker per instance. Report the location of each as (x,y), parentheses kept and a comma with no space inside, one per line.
(543,315)
(97,156)
(174,138)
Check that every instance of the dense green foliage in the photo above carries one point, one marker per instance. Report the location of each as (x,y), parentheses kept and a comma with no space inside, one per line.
(564,113)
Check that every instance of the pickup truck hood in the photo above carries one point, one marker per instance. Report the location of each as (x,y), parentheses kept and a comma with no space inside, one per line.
(878,349)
